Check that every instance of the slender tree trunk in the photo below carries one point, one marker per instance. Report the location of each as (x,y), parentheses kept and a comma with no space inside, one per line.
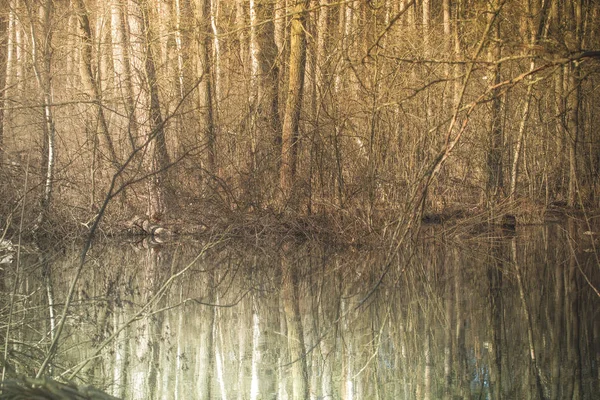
(293,106)
(495,140)
(41,52)
(122,67)
(216,55)
(148,113)
(5,31)
(573,106)
(265,74)
(206,85)
(533,354)
(89,83)
(179,45)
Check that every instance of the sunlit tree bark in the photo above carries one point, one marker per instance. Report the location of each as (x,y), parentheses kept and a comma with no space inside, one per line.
(6,30)
(40,24)
(148,112)
(206,86)
(494,157)
(216,56)
(534,21)
(265,75)
(89,82)
(293,105)
(179,46)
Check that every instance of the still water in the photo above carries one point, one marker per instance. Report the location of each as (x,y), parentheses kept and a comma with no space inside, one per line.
(492,316)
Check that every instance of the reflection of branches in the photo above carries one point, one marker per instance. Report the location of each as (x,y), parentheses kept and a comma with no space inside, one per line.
(17,273)
(532,352)
(154,299)
(112,192)
(216,305)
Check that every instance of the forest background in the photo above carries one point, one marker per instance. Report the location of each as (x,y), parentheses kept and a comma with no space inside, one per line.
(199,111)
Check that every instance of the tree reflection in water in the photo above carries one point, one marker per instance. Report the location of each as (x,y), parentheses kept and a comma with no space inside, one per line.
(472,317)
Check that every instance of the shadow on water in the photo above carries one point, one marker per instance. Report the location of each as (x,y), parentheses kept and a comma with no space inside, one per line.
(449,318)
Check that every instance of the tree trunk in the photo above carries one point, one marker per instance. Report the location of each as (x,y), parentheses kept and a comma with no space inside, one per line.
(5,31)
(265,75)
(495,141)
(573,106)
(293,106)
(206,85)
(41,53)
(122,67)
(148,113)
(87,79)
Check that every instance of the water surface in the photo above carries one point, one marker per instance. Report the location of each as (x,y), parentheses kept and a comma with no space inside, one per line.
(493,316)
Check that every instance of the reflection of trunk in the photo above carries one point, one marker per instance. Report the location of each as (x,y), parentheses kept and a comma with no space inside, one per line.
(329,310)
(448,350)
(347,354)
(267,324)
(461,348)
(122,66)
(528,321)
(206,341)
(120,351)
(291,121)
(295,334)
(494,275)
(284,359)
(245,321)
(179,350)
(573,325)
(220,350)
(428,375)
(559,318)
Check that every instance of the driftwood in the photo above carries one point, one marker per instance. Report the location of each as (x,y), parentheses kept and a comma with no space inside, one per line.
(49,389)
(141,225)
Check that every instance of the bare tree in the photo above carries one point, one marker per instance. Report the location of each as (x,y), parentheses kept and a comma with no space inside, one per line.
(293,105)
(206,87)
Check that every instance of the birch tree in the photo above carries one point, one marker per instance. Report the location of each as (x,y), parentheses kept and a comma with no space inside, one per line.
(206,85)
(40,25)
